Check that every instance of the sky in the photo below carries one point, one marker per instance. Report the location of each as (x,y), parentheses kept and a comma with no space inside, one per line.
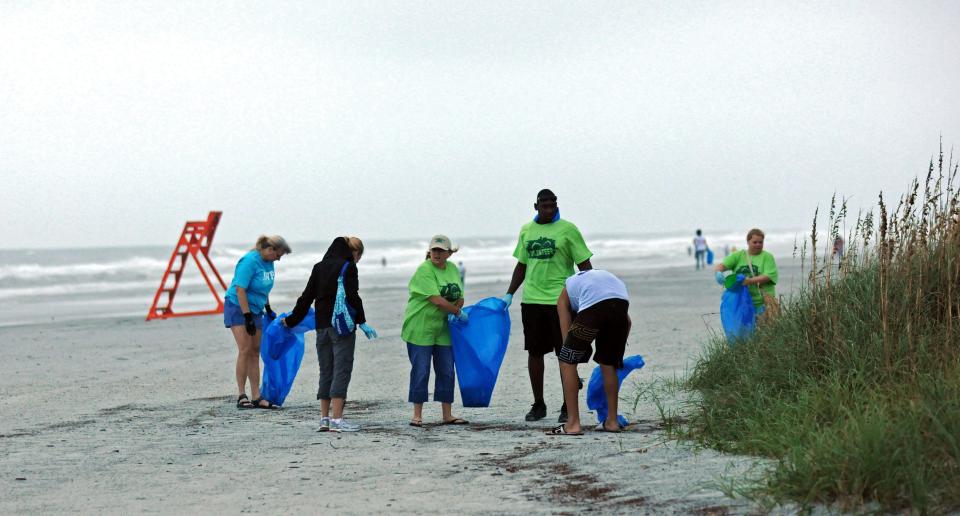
(121,120)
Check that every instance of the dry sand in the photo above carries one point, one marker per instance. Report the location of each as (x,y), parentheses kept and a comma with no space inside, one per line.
(119,416)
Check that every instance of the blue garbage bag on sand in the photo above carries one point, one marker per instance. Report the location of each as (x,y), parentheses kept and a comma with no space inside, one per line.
(709,256)
(597,399)
(281,350)
(736,310)
(478,349)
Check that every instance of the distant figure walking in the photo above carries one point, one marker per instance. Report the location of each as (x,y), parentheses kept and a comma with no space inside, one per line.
(599,301)
(700,250)
(334,351)
(463,273)
(246,302)
(383,261)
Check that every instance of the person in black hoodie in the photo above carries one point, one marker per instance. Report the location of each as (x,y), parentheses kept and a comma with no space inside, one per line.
(334,352)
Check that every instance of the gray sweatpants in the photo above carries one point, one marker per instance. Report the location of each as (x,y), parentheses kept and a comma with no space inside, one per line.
(335,354)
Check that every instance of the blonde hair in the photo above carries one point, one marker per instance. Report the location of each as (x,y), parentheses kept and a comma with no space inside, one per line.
(355,244)
(755,232)
(273,241)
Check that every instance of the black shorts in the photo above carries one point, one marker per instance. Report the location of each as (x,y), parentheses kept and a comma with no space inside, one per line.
(607,322)
(541,328)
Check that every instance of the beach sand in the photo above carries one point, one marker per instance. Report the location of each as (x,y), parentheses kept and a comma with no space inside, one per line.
(119,415)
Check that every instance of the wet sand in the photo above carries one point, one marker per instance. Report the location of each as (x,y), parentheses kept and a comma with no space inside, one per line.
(118,416)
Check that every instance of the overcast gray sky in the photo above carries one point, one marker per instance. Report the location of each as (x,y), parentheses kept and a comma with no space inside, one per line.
(120,120)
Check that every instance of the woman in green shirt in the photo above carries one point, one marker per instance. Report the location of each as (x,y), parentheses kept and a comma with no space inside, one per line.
(758,267)
(435,291)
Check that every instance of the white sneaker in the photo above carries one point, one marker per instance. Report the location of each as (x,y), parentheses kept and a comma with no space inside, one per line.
(343,426)
(324,424)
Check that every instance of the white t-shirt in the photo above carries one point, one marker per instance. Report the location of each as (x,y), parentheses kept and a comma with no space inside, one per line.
(700,243)
(587,288)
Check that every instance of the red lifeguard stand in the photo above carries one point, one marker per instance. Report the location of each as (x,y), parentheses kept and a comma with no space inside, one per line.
(195,240)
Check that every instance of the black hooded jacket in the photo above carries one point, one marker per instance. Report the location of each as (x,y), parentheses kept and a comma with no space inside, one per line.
(321,288)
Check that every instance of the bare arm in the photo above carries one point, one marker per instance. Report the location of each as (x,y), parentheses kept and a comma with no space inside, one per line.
(519,272)
(719,267)
(757,280)
(563,311)
(585,265)
(445,305)
(242,298)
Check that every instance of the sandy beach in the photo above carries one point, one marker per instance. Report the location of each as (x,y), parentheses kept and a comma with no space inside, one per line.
(118,415)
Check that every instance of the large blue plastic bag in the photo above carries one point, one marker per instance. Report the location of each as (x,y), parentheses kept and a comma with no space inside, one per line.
(709,257)
(478,349)
(736,311)
(597,398)
(281,350)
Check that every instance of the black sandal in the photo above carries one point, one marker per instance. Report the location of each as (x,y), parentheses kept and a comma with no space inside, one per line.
(268,406)
(243,402)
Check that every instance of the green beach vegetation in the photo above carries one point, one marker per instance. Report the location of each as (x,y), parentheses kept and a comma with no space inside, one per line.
(854,391)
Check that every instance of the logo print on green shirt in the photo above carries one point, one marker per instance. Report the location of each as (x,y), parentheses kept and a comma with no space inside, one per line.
(745,270)
(542,248)
(451,292)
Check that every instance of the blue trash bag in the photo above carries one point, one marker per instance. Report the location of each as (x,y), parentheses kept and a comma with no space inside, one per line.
(281,350)
(478,349)
(736,311)
(597,399)
(709,256)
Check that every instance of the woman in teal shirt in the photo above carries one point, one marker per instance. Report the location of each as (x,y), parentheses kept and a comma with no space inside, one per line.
(435,291)
(246,301)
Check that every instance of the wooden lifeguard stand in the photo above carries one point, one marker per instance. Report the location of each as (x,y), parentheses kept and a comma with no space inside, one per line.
(195,240)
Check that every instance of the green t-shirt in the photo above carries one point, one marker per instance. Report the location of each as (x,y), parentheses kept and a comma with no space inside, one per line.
(549,251)
(763,264)
(425,324)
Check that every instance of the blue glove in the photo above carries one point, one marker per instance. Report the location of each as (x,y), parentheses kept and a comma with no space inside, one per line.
(720,278)
(508,299)
(368,331)
(463,317)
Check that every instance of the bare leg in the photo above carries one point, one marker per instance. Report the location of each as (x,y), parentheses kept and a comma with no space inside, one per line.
(418,412)
(569,378)
(535,368)
(253,365)
(337,408)
(324,408)
(611,387)
(243,341)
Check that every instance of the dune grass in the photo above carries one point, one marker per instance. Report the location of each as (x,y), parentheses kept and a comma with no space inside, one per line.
(854,391)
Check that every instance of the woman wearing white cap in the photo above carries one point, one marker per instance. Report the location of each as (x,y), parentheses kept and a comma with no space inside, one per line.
(435,291)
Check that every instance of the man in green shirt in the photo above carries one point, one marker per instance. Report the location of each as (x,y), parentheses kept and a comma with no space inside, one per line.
(546,252)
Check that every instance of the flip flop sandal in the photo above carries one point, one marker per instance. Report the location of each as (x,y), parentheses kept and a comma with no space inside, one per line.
(601,428)
(456,421)
(243,402)
(268,406)
(417,423)
(561,430)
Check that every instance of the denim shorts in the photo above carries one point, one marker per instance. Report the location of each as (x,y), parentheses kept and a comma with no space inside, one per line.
(233,316)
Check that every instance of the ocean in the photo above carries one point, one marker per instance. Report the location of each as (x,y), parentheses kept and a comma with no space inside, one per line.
(51,285)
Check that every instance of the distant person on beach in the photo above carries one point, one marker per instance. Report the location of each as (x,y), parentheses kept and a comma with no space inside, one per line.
(700,250)
(383,261)
(758,267)
(334,351)
(246,301)
(436,292)
(547,249)
(592,306)
(463,273)
(838,244)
